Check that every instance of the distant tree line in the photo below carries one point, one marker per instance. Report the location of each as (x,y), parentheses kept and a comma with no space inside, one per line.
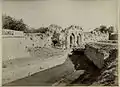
(13,24)
(40,30)
(18,25)
(104,29)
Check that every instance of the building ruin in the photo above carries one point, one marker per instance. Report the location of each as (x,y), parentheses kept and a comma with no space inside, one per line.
(74,36)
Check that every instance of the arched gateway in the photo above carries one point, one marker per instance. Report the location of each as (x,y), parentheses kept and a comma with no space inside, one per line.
(72,40)
(74,36)
(79,40)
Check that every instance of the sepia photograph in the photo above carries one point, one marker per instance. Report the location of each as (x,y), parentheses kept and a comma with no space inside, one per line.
(60,43)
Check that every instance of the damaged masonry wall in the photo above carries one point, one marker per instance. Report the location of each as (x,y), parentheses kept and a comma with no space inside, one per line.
(72,36)
(75,37)
(95,36)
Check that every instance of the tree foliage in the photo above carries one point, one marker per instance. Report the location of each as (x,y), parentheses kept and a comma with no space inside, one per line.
(103,29)
(13,24)
(55,38)
(42,30)
(111,29)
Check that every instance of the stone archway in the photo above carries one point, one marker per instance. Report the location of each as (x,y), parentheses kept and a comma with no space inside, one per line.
(79,39)
(72,40)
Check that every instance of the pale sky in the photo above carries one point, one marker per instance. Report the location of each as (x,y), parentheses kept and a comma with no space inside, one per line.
(88,14)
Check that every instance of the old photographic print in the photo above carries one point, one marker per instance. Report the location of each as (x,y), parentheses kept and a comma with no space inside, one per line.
(59,43)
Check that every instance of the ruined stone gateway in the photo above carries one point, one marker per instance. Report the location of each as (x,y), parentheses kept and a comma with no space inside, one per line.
(74,36)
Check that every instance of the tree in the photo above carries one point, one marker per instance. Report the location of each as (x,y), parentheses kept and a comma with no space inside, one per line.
(55,38)
(13,24)
(42,30)
(103,28)
(111,29)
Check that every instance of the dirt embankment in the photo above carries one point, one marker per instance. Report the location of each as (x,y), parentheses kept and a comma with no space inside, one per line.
(107,76)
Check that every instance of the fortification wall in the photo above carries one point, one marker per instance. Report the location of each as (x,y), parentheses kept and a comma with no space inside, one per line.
(12,32)
(13,45)
(95,36)
(37,40)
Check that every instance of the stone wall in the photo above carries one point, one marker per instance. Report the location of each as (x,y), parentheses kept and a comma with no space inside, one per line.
(37,40)
(32,40)
(13,45)
(12,32)
(75,37)
(95,36)
(72,36)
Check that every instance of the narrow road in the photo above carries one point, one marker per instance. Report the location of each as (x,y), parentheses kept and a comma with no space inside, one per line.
(47,77)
